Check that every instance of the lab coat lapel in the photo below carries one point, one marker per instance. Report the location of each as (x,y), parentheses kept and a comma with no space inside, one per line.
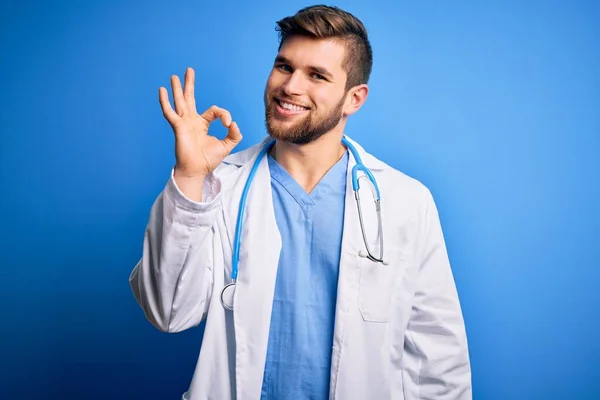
(259,258)
(352,245)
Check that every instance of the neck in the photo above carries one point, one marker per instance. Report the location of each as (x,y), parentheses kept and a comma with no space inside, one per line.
(309,163)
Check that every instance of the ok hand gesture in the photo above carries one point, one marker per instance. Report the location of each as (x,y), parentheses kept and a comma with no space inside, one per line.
(196,152)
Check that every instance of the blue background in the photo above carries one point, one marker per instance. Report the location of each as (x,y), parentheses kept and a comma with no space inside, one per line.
(494,106)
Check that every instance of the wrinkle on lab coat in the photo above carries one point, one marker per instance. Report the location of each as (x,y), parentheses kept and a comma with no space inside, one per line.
(399,329)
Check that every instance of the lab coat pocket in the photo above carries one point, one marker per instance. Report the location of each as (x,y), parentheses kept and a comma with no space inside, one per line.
(376,288)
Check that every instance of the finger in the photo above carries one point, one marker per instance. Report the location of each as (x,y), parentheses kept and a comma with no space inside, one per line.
(168,112)
(215,112)
(178,95)
(188,90)
(234,136)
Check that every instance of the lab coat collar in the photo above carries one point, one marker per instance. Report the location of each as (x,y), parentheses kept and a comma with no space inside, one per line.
(243,157)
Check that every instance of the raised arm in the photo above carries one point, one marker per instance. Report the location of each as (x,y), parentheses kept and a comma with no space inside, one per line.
(172,281)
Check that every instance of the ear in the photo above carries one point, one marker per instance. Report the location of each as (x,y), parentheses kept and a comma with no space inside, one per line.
(355,98)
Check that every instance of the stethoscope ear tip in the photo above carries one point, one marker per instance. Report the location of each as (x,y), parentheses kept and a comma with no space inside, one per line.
(364,254)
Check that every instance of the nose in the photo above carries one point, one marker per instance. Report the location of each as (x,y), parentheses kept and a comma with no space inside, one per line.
(293,85)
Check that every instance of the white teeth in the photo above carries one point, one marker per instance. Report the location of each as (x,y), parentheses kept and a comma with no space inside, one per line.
(292,107)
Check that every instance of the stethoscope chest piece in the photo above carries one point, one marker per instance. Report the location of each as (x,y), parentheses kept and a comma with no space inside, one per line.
(227,296)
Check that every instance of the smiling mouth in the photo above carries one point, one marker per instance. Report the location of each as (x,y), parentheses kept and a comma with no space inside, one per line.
(288,108)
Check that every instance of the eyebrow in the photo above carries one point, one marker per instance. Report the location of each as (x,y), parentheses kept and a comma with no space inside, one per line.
(314,68)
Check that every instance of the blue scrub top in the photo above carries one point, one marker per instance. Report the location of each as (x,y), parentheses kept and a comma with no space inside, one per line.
(301,332)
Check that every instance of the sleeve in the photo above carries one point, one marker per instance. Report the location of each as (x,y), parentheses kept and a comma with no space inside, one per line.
(172,282)
(436,354)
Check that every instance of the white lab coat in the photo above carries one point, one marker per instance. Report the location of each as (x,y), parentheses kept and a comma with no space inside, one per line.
(399,331)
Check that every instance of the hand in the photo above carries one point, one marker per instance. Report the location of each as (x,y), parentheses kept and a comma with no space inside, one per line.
(197,154)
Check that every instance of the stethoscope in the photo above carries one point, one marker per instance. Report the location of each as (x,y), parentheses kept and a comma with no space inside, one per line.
(228,291)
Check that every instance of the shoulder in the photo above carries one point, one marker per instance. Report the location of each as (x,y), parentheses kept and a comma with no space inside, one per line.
(393,181)
(245,156)
(234,162)
(403,193)
(402,184)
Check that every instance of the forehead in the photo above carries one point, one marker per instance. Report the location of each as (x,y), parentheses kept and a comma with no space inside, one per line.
(306,52)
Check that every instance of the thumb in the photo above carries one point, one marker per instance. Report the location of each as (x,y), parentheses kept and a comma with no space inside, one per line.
(234,136)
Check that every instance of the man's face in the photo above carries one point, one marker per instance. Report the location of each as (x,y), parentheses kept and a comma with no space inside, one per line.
(305,92)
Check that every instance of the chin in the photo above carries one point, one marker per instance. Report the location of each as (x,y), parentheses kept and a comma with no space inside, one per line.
(279,135)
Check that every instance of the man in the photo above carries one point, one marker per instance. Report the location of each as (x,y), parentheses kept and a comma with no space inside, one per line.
(314,314)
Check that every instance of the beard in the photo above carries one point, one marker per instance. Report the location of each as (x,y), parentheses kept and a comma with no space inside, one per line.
(306,129)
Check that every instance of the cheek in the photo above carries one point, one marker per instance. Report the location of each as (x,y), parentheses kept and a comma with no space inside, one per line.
(274,81)
(326,99)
